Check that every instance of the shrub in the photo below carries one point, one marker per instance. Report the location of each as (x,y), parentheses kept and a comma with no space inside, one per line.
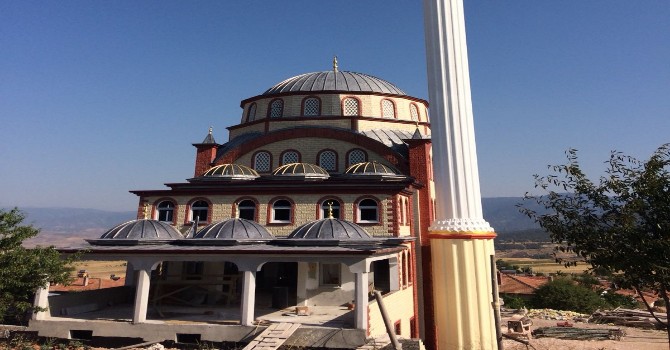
(564,294)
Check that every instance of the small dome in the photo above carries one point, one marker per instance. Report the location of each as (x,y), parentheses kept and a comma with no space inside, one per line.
(231,232)
(301,171)
(334,81)
(138,232)
(231,171)
(234,229)
(329,232)
(371,168)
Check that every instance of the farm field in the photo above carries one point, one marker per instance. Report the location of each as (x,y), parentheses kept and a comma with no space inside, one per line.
(546,266)
(101,269)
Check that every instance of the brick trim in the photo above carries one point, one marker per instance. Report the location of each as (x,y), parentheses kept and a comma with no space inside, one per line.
(371,145)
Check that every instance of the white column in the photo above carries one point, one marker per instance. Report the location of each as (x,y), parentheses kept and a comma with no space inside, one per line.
(42,303)
(248,298)
(361,300)
(141,295)
(394,274)
(461,240)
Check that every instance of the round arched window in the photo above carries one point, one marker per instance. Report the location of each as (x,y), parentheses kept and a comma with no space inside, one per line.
(368,211)
(165,211)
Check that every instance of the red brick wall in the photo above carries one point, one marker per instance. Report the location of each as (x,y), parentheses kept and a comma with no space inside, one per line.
(420,168)
(203,158)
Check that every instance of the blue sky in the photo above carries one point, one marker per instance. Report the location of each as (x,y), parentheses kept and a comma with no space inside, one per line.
(101,97)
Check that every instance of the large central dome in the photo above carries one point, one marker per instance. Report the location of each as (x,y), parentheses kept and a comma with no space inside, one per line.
(335,81)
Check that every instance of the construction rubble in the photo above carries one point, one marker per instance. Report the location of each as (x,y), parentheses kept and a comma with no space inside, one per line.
(628,318)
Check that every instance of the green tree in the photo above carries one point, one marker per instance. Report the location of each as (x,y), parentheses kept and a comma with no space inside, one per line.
(565,294)
(619,223)
(23,270)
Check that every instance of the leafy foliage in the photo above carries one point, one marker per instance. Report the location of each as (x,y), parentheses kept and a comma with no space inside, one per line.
(564,294)
(23,270)
(513,301)
(621,223)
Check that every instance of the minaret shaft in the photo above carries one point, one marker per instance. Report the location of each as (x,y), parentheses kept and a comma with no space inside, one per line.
(461,240)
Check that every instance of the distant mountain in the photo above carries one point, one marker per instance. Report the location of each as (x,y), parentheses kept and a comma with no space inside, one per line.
(504,216)
(61,226)
(73,220)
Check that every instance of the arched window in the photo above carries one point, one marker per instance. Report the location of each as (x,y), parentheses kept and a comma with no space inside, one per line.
(262,162)
(276,108)
(388,109)
(311,107)
(281,211)
(414,112)
(356,156)
(165,211)
(350,107)
(251,114)
(368,211)
(328,160)
(330,205)
(247,209)
(200,211)
(289,157)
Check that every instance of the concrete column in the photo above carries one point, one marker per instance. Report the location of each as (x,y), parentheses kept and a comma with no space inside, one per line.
(141,295)
(41,302)
(394,274)
(248,297)
(460,239)
(361,300)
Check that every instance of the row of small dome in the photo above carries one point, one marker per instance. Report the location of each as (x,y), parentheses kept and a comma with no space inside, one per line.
(238,231)
(299,170)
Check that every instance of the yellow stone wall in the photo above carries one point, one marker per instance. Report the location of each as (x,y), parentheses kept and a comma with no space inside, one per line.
(331,105)
(305,210)
(399,306)
(337,123)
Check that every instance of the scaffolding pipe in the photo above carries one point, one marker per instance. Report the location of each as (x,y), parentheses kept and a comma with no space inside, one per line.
(496,302)
(387,321)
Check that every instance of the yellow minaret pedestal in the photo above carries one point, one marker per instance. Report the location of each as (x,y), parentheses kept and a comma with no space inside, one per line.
(461,240)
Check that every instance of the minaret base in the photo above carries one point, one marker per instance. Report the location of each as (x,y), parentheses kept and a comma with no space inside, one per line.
(462,289)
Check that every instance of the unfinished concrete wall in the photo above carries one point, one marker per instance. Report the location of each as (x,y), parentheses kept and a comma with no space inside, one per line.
(73,303)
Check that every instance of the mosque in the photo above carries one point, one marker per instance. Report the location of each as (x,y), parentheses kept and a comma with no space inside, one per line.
(332,185)
(322,194)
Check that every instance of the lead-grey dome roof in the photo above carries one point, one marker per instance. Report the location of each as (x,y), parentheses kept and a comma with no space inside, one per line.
(237,228)
(327,232)
(142,231)
(335,81)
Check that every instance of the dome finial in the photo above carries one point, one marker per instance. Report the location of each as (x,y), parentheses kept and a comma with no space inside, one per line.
(237,211)
(330,209)
(335,64)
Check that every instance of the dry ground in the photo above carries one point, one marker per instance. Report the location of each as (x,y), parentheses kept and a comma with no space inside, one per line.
(635,339)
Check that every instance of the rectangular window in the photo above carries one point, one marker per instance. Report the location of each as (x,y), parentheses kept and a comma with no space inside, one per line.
(330,275)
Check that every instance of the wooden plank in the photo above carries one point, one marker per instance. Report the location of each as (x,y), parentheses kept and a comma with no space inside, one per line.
(272,337)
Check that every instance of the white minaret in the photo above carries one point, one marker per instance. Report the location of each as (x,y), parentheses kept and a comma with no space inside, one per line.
(461,240)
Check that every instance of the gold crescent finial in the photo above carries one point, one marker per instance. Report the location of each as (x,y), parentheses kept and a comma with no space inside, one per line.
(145,210)
(335,64)
(330,210)
(237,211)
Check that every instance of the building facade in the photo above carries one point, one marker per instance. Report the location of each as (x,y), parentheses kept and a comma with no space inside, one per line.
(323,192)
